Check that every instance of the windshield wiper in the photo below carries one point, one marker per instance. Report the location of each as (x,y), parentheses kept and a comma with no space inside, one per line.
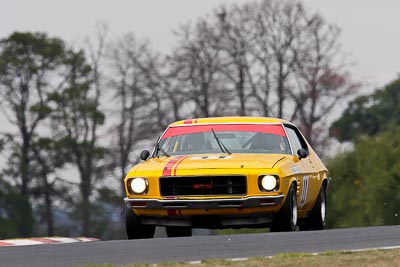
(159,148)
(220,144)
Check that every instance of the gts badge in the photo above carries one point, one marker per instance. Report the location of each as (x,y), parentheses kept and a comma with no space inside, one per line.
(202,186)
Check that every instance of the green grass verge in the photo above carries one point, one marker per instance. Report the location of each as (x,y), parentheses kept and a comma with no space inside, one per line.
(230,231)
(371,258)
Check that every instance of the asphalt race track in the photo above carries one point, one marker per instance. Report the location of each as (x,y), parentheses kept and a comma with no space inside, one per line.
(198,247)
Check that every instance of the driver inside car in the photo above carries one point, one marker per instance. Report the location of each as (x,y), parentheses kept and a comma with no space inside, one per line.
(195,142)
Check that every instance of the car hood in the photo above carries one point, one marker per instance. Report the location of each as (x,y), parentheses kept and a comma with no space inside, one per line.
(214,161)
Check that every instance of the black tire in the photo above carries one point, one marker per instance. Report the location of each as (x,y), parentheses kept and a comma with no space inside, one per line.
(286,218)
(317,218)
(178,231)
(134,227)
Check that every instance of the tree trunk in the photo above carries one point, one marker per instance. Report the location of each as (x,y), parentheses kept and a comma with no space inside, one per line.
(240,89)
(25,166)
(48,207)
(280,89)
(85,208)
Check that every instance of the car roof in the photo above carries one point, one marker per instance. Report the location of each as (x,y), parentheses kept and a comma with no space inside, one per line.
(221,120)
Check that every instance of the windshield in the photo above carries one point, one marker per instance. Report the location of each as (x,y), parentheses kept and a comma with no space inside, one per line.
(237,138)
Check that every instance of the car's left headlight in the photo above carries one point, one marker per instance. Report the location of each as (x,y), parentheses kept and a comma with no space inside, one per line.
(268,182)
(138,185)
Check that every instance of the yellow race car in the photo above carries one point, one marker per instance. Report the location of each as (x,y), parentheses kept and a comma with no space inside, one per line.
(227,172)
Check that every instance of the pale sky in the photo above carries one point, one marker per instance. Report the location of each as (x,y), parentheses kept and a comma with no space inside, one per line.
(370,28)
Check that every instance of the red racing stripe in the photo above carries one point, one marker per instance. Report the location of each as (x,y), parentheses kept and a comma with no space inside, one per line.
(172,212)
(168,167)
(177,164)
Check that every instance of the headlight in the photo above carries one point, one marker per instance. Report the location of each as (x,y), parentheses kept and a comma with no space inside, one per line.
(139,185)
(268,182)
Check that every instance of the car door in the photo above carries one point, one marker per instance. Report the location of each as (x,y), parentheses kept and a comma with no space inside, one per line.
(303,168)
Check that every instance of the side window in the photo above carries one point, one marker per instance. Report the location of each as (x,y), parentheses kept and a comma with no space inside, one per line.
(295,138)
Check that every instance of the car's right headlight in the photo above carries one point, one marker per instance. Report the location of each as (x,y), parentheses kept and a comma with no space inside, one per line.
(138,185)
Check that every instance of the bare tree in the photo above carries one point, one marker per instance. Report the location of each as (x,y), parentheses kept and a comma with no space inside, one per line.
(235,41)
(321,79)
(195,63)
(278,26)
(136,85)
(288,58)
(173,91)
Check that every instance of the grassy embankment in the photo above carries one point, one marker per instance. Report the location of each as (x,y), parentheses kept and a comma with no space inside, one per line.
(372,258)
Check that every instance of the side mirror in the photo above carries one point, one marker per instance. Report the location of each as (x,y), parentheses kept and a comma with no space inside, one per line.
(302,153)
(144,154)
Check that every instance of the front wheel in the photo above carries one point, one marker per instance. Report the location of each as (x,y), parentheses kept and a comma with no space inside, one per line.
(178,231)
(286,218)
(317,218)
(134,227)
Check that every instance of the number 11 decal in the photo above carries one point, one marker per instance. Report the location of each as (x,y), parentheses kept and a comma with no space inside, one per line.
(304,190)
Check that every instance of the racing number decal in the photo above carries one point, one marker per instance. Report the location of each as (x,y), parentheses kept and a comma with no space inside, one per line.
(304,190)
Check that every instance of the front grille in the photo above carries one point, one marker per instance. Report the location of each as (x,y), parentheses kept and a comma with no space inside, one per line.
(202,185)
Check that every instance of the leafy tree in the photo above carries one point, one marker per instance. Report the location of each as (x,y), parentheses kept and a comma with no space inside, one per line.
(76,116)
(16,218)
(366,183)
(48,187)
(370,114)
(29,72)
(28,64)
(344,192)
(107,213)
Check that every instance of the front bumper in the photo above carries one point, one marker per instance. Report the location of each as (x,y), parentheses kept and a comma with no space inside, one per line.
(246,202)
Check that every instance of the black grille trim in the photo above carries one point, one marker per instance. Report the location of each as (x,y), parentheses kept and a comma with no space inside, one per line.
(203,185)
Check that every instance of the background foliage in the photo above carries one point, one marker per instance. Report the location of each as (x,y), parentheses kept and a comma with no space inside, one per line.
(366,187)
(369,115)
